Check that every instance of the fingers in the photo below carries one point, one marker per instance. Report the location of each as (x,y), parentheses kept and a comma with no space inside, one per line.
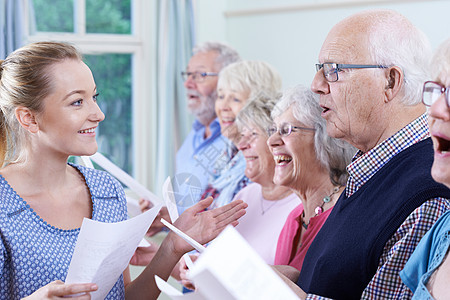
(58,288)
(201,205)
(231,215)
(188,284)
(226,208)
(144,204)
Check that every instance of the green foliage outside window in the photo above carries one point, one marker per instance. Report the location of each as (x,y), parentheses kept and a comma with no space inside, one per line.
(55,17)
(112,74)
(108,16)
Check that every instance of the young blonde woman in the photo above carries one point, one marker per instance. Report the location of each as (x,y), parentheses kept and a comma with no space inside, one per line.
(49,111)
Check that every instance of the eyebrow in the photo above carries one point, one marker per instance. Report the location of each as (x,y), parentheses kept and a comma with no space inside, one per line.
(77,92)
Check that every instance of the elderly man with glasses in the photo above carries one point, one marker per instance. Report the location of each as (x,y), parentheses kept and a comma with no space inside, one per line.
(371,70)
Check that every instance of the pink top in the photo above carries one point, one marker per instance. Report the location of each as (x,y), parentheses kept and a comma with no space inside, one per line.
(288,240)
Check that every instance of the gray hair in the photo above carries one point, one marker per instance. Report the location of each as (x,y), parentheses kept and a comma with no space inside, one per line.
(334,154)
(226,54)
(394,40)
(440,64)
(254,77)
(257,112)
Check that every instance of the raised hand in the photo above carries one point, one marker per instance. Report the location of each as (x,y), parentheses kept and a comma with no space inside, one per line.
(204,225)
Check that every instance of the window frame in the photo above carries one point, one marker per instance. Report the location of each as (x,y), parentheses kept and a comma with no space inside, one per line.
(141,44)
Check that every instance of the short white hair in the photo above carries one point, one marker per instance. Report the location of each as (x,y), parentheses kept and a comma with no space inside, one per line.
(255,77)
(334,154)
(226,54)
(440,64)
(395,41)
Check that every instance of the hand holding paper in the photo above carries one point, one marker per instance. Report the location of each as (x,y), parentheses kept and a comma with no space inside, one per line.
(103,250)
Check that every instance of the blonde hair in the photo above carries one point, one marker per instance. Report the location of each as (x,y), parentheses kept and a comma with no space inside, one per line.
(440,63)
(25,81)
(255,77)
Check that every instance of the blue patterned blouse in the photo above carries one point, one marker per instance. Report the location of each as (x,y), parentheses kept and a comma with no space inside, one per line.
(34,253)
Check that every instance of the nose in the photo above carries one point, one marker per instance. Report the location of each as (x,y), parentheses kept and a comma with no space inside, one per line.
(274,140)
(190,83)
(243,143)
(97,114)
(440,109)
(319,84)
(223,104)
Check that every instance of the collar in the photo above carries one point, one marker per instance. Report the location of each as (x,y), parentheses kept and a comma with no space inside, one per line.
(365,165)
(198,126)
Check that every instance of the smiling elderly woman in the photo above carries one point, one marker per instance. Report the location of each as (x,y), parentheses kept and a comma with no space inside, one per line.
(268,204)
(237,83)
(426,272)
(309,162)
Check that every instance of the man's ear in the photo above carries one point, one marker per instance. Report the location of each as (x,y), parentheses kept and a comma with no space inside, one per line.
(27,119)
(394,82)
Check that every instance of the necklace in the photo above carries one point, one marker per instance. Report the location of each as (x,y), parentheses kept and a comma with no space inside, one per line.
(263,211)
(319,209)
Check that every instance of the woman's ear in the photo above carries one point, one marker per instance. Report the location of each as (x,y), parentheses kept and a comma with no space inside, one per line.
(394,82)
(27,119)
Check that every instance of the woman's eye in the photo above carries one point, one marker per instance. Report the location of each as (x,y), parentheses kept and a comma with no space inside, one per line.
(236,100)
(95,97)
(78,102)
(220,97)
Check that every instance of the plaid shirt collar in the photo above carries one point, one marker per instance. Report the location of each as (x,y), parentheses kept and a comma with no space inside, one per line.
(365,165)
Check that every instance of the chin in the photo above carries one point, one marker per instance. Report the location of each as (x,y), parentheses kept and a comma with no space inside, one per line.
(441,174)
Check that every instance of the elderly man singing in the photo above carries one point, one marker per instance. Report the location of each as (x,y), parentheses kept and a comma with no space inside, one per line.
(371,68)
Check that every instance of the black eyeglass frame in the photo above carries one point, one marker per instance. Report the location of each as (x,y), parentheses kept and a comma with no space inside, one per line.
(197,76)
(444,90)
(338,68)
(290,127)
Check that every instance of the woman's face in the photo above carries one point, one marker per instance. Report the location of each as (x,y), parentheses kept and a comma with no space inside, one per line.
(70,115)
(260,164)
(439,121)
(228,105)
(294,154)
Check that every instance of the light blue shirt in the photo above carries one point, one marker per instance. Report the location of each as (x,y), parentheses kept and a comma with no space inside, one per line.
(195,161)
(427,257)
(34,253)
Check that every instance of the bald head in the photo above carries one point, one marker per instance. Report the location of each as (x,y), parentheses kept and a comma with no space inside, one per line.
(368,103)
(389,38)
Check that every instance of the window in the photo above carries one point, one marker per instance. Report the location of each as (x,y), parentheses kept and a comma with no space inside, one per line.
(114,36)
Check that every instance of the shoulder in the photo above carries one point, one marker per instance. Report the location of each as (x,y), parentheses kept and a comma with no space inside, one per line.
(249,192)
(101,184)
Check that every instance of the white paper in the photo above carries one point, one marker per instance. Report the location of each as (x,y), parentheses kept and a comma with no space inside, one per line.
(231,269)
(197,246)
(169,200)
(175,294)
(126,179)
(103,250)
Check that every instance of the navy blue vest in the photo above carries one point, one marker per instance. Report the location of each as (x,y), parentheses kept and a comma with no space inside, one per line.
(345,254)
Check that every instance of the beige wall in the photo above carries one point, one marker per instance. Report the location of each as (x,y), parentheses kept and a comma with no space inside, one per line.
(289,33)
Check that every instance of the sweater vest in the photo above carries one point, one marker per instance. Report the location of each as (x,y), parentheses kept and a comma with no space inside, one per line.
(345,254)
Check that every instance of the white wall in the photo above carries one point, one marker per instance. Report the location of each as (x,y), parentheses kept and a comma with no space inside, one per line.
(289,33)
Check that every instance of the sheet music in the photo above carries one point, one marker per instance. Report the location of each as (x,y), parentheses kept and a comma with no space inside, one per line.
(103,250)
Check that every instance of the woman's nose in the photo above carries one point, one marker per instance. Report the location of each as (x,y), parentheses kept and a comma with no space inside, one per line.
(440,109)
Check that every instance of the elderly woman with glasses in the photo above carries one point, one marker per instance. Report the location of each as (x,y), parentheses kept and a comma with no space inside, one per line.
(268,204)
(427,271)
(310,163)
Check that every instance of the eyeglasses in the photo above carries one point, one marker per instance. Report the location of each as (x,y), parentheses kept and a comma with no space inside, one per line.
(285,129)
(432,91)
(197,76)
(330,70)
